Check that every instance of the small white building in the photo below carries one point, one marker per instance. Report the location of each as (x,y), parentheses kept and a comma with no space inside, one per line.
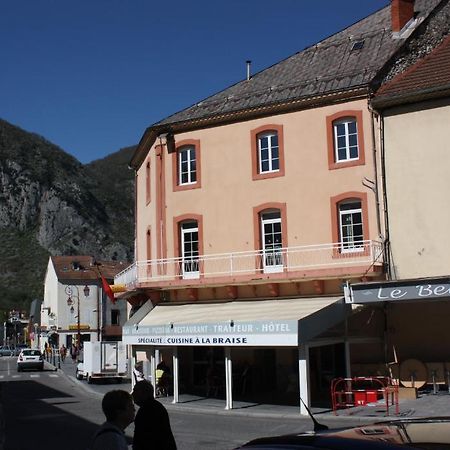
(75,301)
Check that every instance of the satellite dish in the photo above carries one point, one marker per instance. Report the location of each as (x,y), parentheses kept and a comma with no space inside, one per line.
(413,373)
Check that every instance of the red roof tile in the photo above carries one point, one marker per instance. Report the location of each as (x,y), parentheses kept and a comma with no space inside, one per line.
(82,267)
(431,72)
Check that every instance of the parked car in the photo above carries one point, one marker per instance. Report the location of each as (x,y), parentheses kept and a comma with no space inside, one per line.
(30,359)
(423,433)
(6,350)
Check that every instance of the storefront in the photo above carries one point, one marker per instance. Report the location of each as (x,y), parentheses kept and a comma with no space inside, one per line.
(415,328)
(241,349)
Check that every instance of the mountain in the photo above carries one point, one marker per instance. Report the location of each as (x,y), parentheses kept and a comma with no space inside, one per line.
(51,204)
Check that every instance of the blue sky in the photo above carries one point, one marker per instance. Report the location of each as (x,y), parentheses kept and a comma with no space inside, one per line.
(91,75)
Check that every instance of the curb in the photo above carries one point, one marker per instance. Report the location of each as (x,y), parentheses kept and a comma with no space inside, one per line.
(75,381)
(181,407)
(241,412)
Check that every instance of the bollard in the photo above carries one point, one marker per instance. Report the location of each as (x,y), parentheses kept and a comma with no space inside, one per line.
(435,387)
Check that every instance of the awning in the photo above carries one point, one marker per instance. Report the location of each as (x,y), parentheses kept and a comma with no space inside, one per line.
(238,323)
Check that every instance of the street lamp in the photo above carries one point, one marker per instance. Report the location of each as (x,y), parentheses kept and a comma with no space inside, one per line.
(70,291)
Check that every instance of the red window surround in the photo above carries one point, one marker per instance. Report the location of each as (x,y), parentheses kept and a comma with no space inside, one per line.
(334,204)
(257,210)
(198,184)
(149,249)
(177,221)
(332,164)
(255,151)
(149,244)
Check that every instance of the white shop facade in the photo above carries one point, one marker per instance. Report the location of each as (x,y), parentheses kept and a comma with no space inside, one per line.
(244,350)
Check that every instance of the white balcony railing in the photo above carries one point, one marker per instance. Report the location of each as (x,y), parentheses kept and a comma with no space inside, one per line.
(291,259)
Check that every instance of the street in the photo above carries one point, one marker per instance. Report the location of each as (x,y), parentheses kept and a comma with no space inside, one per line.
(48,410)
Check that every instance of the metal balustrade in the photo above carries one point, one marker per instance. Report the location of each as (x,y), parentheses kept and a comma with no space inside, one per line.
(290,259)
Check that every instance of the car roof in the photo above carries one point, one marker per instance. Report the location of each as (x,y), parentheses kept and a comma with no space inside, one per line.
(330,442)
(404,433)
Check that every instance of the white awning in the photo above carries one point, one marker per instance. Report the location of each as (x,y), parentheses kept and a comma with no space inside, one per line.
(238,323)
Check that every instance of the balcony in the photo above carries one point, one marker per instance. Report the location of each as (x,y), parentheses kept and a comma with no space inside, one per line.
(283,264)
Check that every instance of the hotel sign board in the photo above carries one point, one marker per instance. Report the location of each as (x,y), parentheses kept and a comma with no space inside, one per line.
(233,334)
(394,292)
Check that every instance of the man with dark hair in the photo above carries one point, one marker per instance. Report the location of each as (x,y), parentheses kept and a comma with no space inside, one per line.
(152,424)
(119,411)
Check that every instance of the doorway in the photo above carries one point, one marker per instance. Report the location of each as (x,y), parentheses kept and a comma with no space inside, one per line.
(325,363)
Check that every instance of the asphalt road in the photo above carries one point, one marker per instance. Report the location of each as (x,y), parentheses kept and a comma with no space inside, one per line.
(47,410)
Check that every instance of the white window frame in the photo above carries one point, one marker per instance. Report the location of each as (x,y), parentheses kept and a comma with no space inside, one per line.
(270,149)
(191,261)
(191,157)
(272,258)
(351,246)
(345,121)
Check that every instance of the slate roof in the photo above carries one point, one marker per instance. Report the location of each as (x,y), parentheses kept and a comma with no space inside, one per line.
(327,71)
(82,268)
(328,66)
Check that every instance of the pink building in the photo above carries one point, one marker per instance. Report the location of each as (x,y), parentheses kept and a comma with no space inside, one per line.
(254,207)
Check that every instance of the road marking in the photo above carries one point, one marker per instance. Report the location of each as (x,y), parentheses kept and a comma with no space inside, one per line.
(16,376)
(34,376)
(2,376)
(53,376)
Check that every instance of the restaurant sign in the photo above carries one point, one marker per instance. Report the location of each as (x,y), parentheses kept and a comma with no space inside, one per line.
(220,334)
(390,292)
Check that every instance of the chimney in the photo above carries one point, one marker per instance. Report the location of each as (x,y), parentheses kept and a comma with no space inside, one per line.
(402,11)
(249,74)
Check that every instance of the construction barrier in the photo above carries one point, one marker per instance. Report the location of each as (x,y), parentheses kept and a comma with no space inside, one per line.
(364,391)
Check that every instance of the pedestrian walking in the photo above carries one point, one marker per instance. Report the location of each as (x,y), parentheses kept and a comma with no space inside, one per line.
(48,349)
(63,352)
(151,425)
(119,411)
(138,372)
(73,353)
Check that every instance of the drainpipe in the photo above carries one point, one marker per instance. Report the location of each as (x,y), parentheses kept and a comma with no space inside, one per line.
(387,243)
(375,165)
(160,206)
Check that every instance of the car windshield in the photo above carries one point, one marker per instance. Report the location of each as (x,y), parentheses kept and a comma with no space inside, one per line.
(31,352)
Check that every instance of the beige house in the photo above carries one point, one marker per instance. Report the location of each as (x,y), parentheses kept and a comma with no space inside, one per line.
(74,302)
(254,207)
(414,109)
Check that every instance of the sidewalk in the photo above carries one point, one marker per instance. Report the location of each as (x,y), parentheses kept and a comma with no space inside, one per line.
(424,406)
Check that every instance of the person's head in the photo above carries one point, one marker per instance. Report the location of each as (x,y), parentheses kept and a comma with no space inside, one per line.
(118,408)
(142,392)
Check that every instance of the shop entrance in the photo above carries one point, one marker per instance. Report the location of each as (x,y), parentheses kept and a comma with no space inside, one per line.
(209,371)
(325,363)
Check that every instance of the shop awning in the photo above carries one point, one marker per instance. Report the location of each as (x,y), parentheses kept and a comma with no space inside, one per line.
(238,323)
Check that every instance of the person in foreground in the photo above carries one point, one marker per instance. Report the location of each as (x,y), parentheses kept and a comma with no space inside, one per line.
(119,410)
(152,425)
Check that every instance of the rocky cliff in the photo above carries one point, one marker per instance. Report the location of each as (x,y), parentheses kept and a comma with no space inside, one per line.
(50,203)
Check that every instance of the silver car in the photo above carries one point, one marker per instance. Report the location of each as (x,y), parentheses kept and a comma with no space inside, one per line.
(5,350)
(30,359)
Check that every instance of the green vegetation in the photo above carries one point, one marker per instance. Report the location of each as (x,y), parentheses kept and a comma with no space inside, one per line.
(38,181)
(22,269)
